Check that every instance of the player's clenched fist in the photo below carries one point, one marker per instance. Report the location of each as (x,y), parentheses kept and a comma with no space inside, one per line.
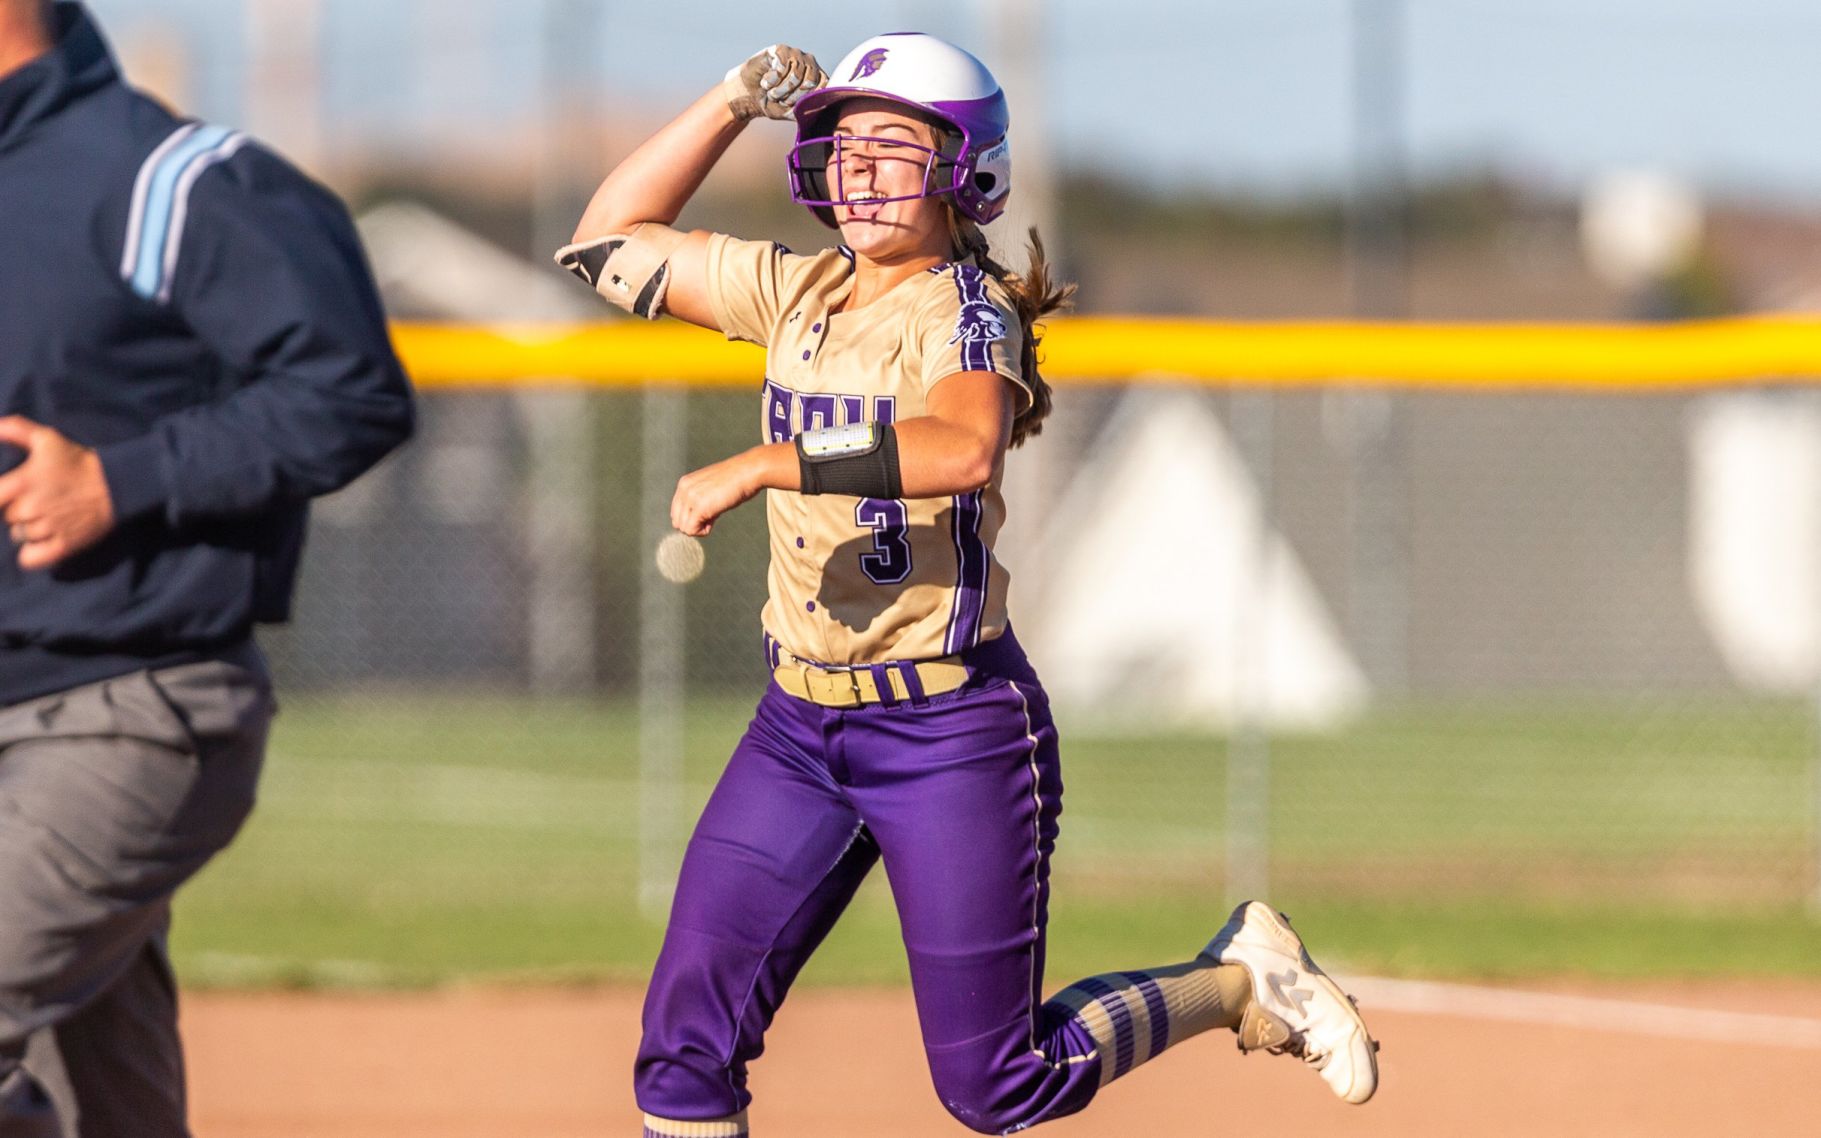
(55,502)
(704,495)
(771,82)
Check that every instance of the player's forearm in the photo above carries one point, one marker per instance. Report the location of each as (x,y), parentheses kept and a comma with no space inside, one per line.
(656,181)
(774,466)
(936,458)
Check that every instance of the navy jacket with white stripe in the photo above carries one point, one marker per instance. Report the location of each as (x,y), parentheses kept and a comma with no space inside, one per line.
(201,314)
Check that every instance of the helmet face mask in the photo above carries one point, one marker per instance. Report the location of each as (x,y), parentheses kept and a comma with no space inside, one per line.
(931,80)
(811,160)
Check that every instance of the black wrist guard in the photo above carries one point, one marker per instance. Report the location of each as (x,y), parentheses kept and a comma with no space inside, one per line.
(859,459)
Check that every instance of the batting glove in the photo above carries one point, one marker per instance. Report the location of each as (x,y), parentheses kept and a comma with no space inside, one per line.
(771,82)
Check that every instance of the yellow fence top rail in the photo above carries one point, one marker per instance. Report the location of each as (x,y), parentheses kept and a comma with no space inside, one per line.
(1615,357)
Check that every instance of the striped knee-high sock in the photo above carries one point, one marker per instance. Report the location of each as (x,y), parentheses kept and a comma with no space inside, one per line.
(1135,1016)
(733,1126)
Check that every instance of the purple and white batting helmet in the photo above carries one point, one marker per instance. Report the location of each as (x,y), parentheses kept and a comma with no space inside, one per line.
(973,164)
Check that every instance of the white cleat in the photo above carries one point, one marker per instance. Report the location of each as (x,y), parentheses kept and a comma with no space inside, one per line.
(1296,1008)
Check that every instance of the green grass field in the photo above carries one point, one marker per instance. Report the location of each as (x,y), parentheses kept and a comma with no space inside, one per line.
(405,839)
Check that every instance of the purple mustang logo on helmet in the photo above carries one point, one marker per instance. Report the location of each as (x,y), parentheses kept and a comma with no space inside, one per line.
(870,63)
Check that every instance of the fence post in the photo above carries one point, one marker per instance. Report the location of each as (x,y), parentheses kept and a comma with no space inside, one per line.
(560,530)
(1814,837)
(1248,738)
(1814,763)
(664,438)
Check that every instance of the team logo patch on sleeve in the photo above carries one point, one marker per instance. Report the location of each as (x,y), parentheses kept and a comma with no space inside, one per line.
(980,324)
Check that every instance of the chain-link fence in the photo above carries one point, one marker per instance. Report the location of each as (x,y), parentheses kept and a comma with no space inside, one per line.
(1335,643)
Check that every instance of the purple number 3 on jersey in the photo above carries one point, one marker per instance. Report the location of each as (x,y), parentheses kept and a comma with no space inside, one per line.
(890,561)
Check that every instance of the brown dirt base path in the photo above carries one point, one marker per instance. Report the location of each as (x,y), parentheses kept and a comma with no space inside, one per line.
(555,1064)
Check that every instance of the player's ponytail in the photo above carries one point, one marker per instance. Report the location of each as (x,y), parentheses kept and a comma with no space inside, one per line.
(1035,294)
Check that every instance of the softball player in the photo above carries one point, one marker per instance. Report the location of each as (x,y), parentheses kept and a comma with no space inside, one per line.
(904,723)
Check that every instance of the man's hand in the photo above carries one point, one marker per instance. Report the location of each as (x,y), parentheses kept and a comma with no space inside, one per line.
(56,502)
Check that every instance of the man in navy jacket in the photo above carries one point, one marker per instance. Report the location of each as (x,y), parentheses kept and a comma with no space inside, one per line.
(193,348)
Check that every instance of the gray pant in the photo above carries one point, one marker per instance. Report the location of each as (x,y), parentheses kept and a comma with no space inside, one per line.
(111,796)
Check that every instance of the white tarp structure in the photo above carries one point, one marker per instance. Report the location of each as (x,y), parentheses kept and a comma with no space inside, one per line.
(428,263)
(1165,601)
(1754,534)
(431,263)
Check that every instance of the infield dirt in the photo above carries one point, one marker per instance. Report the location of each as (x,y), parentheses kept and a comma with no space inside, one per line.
(555,1063)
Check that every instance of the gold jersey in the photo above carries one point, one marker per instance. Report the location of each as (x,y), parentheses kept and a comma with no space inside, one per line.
(866,580)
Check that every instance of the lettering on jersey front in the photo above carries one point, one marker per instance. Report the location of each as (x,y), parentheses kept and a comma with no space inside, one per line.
(818,410)
(787,412)
(777,414)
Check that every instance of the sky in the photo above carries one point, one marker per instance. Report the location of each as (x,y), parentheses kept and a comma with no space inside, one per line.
(1252,95)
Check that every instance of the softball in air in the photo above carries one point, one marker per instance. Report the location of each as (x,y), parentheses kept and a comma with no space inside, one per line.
(680,558)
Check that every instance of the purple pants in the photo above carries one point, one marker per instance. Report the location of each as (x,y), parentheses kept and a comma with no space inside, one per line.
(959,795)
